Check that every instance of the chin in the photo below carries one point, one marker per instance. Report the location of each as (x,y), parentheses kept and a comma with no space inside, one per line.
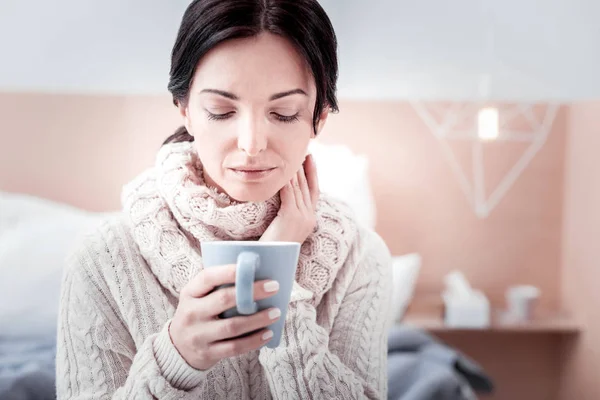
(251,192)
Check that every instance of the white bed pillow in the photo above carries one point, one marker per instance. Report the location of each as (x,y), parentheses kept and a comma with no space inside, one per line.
(15,207)
(405,270)
(345,176)
(36,236)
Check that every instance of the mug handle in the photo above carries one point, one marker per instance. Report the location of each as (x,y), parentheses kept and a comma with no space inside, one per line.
(247,263)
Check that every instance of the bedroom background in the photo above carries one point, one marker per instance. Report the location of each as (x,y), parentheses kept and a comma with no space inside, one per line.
(83,109)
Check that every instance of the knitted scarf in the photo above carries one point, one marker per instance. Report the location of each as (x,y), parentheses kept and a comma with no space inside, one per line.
(171,211)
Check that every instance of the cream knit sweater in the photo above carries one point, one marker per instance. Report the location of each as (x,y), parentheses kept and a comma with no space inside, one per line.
(121,288)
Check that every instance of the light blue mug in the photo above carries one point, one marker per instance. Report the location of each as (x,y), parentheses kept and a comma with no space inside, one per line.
(256,261)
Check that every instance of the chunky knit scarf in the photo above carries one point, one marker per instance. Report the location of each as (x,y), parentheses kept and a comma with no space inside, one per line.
(172,210)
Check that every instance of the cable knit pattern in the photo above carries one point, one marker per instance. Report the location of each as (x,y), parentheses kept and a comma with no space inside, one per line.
(322,364)
(122,284)
(170,205)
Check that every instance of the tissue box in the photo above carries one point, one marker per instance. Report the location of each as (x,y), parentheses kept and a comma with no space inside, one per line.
(472,311)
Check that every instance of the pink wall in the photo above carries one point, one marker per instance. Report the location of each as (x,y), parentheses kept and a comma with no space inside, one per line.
(421,207)
(581,256)
(81,149)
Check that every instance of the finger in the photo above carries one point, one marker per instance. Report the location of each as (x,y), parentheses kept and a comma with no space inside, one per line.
(236,326)
(224,298)
(310,170)
(297,192)
(235,347)
(209,278)
(287,196)
(307,203)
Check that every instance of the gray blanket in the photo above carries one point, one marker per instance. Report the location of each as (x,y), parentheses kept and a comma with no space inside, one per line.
(27,368)
(33,385)
(422,368)
(419,368)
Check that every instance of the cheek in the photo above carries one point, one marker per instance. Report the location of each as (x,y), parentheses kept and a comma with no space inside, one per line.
(211,144)
(294,152)
(211,151)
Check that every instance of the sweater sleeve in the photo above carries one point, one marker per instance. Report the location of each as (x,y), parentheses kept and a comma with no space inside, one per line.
(349,363)
(97,358)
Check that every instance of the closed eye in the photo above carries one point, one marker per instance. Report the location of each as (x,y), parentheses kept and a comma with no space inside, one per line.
(286,118)
(282,118)
(219,117)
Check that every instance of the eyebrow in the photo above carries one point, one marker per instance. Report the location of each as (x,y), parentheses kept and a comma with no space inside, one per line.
(276,96)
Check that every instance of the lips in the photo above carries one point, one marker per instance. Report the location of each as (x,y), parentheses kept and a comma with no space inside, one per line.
(247,173)
(252,169)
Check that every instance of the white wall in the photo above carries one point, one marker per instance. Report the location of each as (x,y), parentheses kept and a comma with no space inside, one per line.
(120,46)
(542,49)
(439,48)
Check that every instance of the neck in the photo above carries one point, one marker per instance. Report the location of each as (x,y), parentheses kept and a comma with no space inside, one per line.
(171,211)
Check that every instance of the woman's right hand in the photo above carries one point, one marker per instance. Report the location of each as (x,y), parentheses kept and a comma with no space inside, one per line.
(200,336)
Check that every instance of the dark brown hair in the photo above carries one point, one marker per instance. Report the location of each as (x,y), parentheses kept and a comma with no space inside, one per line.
(207,23)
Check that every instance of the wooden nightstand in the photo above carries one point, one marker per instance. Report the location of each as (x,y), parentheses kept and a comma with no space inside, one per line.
(544,322)
(427,313)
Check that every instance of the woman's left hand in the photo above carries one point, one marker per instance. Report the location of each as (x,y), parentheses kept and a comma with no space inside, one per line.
(296,218)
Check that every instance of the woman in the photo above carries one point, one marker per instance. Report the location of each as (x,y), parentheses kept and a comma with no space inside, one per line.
(254,81)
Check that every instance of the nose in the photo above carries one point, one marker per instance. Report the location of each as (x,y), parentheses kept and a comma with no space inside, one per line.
(252,139)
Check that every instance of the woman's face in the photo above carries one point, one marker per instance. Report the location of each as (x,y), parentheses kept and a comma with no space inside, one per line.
(250,110)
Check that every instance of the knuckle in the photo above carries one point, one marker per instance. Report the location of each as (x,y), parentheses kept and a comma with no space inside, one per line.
(231,272)
(188,317)
(237,347)
(225,297)
(227,273)
(232,349)
(193,285)
(229,328)
(201,277)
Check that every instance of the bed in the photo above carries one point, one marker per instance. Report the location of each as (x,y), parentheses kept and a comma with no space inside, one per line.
(35,236)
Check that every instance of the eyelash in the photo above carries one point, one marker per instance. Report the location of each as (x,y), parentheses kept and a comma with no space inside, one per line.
(218,117)
(280,118)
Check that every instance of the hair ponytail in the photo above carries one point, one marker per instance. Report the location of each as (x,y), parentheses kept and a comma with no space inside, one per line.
(180,135)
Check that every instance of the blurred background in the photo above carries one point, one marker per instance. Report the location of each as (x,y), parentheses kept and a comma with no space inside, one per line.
(467,138)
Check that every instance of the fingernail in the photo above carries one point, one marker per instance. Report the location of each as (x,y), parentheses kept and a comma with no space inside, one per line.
(267,335)
(274,313)
(271,286)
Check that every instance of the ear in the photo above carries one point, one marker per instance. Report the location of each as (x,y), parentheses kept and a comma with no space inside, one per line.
(321,122)
(184,111)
